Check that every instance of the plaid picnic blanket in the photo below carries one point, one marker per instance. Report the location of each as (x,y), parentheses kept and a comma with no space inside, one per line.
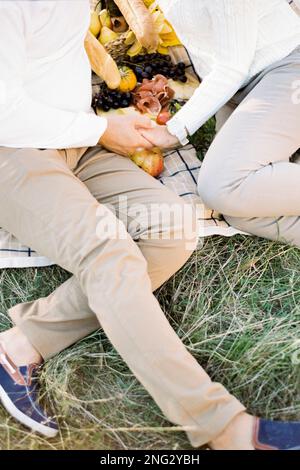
(180,175)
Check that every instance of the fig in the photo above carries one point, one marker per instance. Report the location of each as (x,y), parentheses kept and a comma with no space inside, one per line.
(163,117)
(119,24)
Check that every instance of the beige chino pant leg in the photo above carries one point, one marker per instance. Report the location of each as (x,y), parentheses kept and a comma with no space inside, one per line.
(247,173)
(64,317)
(49,209)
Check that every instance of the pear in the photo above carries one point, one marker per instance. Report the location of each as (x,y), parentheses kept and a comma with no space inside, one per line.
(107,35)
(130,38)
(105,18)
(95,25)
(135,49)
(151,161)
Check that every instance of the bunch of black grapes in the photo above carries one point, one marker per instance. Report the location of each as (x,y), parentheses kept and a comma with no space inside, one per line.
(108,99)
(149,65)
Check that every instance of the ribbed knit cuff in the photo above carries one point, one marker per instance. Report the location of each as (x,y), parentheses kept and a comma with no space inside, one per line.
(178,129)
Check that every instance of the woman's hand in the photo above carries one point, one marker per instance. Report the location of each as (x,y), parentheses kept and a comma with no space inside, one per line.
(124,134)
(160,137)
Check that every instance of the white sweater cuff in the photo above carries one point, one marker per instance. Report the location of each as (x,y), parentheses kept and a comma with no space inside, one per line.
(177,128)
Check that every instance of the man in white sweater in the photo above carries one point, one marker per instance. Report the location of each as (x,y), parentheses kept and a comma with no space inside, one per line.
(87,208)
(59,191)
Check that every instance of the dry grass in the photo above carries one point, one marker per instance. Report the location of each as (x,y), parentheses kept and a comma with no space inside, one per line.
(236,307)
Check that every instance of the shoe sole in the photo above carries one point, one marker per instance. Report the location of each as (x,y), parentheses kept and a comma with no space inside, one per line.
(24,419)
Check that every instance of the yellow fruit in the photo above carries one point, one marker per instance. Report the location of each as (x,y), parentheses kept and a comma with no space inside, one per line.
(169,39)
(165,29)
(163,50)
(136,49)
(148,3)
(130,38)
(128,80)
(95,25)
(105,19)
(107,35)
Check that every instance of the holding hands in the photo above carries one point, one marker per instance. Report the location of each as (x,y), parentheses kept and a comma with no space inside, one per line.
(123,134)
(127,134)
(160,137)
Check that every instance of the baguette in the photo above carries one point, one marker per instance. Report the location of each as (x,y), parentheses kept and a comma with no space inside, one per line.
(140,22)
(101,62)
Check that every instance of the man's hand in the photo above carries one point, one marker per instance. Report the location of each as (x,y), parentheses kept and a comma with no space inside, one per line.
(123,134)
(160,137)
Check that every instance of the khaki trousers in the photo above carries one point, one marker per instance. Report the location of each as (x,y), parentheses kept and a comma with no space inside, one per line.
(68,216)
(247,173)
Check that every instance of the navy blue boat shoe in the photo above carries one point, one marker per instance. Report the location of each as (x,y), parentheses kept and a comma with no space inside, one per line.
(19,395)
(276,435)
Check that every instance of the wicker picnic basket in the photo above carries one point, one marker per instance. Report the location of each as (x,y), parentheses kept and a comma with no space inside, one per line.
(119,47)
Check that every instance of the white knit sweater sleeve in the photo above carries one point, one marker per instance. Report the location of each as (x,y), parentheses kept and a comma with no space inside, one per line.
(235,28)
(24,121)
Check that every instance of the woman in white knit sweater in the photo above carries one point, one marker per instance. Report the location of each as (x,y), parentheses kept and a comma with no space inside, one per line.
(248,54)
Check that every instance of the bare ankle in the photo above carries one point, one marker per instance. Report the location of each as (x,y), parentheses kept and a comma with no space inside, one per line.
(237,435)
(18,347)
